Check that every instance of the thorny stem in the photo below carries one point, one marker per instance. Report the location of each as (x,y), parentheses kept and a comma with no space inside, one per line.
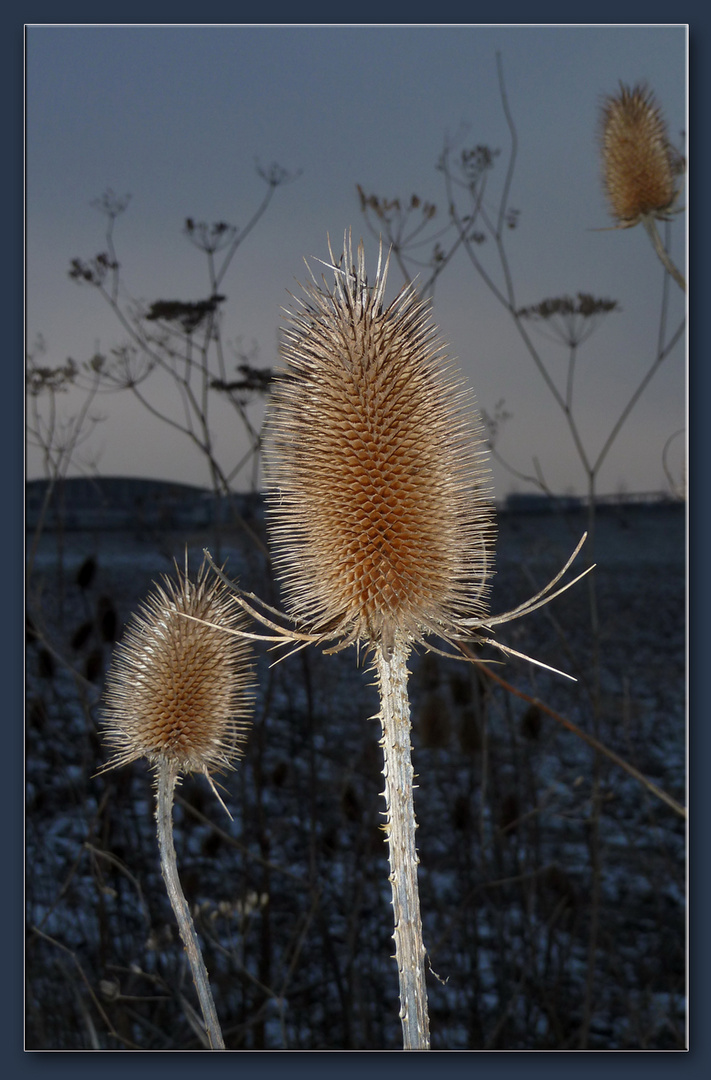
(402,854)
(166,780)
(653,234)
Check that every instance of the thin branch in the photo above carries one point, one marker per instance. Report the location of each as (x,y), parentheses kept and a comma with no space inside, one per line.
(589,739)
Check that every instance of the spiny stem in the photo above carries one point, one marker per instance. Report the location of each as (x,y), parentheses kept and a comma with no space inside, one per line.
(662,253)
(402,853)
(165,788)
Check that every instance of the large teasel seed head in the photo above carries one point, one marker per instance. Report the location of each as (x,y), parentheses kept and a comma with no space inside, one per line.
(378,491)
(640,164)
(179,691)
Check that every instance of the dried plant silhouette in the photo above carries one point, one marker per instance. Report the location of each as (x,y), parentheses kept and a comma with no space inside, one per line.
(381,523)
(641,167)
(56,432)
(178,693)
(184,340)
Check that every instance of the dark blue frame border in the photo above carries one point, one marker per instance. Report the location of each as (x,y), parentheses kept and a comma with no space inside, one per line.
(499,1065)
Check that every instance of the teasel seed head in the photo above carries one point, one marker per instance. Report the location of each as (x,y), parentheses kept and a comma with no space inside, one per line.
(640,164)
(179,691)
(378,490)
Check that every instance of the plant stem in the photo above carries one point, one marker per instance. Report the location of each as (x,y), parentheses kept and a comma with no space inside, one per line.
(662,253)
(402,853)
(165,787)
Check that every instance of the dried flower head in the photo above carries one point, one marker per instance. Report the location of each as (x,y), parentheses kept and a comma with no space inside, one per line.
(569,321)
(640,164)
(378,491)
(179,691)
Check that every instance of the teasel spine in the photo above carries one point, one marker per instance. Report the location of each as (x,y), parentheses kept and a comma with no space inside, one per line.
(381,520)
(179,694)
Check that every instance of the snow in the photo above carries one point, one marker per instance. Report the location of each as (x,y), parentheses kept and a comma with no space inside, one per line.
(506,820)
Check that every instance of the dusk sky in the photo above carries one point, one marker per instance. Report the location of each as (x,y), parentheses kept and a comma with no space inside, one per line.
(177,117)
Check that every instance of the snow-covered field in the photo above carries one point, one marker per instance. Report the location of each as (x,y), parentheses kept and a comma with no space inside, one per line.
(552,882)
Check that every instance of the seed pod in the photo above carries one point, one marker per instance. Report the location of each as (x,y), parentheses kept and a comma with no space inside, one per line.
(378,493)
(640,165)
(177,690)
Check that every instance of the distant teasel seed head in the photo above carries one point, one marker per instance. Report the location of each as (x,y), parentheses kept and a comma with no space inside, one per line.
(179,691)
(378,491)
(640,164)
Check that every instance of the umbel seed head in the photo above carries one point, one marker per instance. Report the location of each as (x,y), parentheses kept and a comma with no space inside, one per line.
(640,164)
(378,492)
(179,691)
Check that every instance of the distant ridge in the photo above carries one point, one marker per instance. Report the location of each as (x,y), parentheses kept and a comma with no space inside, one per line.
(130,502)
(535,502)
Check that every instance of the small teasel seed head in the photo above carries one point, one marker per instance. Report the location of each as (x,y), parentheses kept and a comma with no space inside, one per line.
(378,492)
(177,690)
(640,165)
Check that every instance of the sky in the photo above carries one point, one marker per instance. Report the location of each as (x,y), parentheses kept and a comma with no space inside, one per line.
(179,117)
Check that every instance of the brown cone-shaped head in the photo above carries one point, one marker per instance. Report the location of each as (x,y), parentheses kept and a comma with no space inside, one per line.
(640,165)
(380,516)
(178,690)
